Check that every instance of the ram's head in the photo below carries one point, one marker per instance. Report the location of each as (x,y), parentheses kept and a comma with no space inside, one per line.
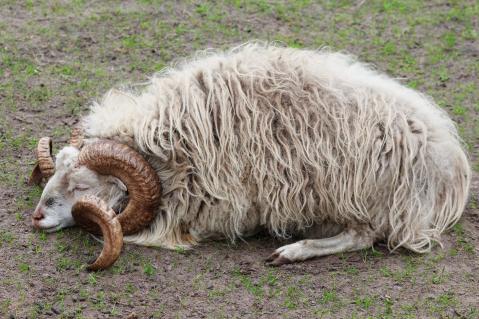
(86,183)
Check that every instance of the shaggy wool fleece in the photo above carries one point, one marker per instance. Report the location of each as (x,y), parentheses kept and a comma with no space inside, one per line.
(281,138)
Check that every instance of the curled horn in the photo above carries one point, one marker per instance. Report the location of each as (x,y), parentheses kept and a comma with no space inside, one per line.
(45,166)
(76,138)
(112,158)
(92,210)
(144,190)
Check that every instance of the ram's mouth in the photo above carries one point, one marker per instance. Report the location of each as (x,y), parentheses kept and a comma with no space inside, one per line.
(48,226)
(51,229)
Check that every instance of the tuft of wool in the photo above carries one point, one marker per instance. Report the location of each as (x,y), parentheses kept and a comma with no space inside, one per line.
(283,138)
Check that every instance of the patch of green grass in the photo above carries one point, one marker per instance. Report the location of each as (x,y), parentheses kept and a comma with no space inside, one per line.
(329,296)
(29,200)
(4,306)
(364,302)
(38,96)
(443,74)
(159,311)
(149,269)
(180,250)
(92,279)
(289,41)
(413,84)
(470,34)
(66,70)
(257,287)
(133,41)
(61,247)
(271,279)
(449,40)
(370,254)
(408,311)
(293,297)
(24,267)
(398,6)
(253,288)
(19,141)
(435,55)
(17,65)
(462,241)
(472,313)
(99,301)
(6,237)
(386,272)
(407,272)
(65,263)
(388,307)
(437,257)
(442,302)
(130,288)
(389,48)
(459,110)
(352,270)
(202,9)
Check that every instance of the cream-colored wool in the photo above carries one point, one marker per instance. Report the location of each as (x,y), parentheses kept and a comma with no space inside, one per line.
(265,136)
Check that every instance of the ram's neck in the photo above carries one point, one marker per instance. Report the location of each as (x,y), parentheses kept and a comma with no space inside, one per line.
(120,115)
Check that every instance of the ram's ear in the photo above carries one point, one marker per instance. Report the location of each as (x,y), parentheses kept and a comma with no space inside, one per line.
(36,177)
(117,182)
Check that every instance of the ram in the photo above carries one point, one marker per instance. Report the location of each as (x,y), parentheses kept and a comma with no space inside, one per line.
(297,142)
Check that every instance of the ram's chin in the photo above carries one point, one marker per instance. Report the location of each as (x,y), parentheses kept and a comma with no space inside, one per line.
(52,229)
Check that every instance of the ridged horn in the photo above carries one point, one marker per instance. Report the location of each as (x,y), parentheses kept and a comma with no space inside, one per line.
(76,138)
(45,166)
(144,190)
(92,210)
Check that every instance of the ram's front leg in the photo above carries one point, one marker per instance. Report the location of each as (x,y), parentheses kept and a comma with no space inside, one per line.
(346,241)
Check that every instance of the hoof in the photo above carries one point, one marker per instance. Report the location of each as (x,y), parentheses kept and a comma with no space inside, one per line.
(276,260)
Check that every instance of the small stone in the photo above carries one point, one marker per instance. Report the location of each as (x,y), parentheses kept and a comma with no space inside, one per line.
(56,310)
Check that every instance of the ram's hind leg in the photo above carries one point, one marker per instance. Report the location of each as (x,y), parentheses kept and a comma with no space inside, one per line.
(347,240)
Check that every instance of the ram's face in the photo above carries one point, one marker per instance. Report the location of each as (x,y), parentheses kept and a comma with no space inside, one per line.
(66,186)
(89,184)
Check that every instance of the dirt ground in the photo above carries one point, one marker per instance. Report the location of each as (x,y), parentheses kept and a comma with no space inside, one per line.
(56,57)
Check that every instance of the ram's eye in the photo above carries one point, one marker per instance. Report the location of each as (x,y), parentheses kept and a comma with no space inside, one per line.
(50,202)
(81,188)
